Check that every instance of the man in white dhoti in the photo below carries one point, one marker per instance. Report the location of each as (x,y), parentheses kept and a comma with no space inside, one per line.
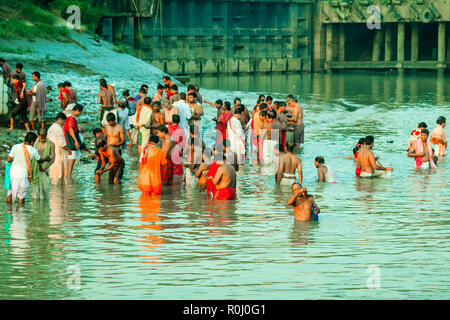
(143,121)
(21,156)
(59,170)
(236,135)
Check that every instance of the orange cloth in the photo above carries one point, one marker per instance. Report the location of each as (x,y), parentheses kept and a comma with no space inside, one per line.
(138,111)
(149,172)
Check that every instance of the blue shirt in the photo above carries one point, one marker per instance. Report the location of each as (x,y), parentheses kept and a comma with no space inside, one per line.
(122,118)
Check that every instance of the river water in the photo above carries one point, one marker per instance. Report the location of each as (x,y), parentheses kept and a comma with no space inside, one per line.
(384,238)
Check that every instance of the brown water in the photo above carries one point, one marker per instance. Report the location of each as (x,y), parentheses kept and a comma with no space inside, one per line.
(382,238)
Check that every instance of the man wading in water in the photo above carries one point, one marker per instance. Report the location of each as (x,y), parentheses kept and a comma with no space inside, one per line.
(366,161)
(304,205)
(288,164)
(422,152)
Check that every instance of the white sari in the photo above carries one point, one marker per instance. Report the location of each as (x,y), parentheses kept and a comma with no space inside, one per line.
(236,136)
(60,168)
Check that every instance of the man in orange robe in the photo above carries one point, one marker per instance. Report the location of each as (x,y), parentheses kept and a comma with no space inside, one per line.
(152,158)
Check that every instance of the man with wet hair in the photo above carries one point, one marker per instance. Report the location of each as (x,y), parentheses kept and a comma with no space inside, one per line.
(288,165)
(105,98)
(325,172)
(224,179)
(304,205)
(114,133)
(296,119)
(422,152)
(366,161)
(111,155)
(415,134)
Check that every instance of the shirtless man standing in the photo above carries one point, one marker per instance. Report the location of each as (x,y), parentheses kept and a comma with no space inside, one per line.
(304,205)
(196,109)
(288,164)
(296,119)
(225,179)
(157,117)
(366,161)
(114,132)
(422,152)
(110,155)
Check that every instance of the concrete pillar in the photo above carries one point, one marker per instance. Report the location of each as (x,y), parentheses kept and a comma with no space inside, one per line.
(107,29)
(400,45)
(329,45)
(138,37)
(342,42)
(387,42)
(414,41)
(441,43)
(377,44)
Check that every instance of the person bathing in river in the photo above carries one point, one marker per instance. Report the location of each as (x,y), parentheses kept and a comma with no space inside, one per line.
(303,203)
(366,161)
(224,179)
(114,133)
(112,156)
(415,134)
(324,172)
(422,152)
(167,170)
(439,138)
(203,170)
(152,159)
(288,165)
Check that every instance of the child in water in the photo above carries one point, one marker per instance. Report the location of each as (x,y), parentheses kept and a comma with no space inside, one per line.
(305,208)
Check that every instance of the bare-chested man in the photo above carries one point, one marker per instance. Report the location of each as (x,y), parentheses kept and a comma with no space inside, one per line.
(202,171)
(114,132)
(157,117)
(366,161)
(422,152)
(196,109)
(288,164)
(167,170)
(304,205)
(225,179)
(168,112)
(110,155)
(296,119)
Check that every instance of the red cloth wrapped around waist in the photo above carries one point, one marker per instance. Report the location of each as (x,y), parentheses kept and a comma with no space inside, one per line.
(226,194)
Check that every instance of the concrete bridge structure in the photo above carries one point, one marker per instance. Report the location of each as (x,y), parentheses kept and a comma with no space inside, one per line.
(247,36)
